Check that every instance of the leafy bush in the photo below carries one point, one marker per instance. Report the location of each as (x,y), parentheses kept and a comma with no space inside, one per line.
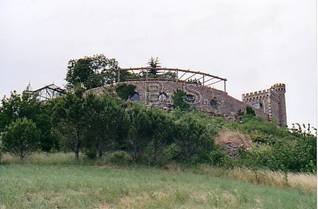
(125,90)
(95,125)
(26,105)
(91,154)
(219,158)
(179,100)
(249,111)
(0,149)
(120,158)
(193,139)
(257,157)
(170,153)
(286,154)
(21,137)
(298,154)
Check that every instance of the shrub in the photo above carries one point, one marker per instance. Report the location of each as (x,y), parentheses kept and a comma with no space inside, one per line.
(286,154)
(161,134)
(120,158)
(91,154)
(249,111)
(125,90)
(0,149)
(218,157)
(179,100)
(257,157)
(295,154)
(165,154)
(21,137)
(194,140)
(170,153)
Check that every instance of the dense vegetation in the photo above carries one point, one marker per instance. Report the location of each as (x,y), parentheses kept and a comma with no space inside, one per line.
(130,132)
(126,132)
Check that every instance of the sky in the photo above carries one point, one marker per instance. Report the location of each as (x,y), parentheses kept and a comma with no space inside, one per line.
(253,44)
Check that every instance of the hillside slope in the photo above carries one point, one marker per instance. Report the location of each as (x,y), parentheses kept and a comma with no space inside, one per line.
(76,186)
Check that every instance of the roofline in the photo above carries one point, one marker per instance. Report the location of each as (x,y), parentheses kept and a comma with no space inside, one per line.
(174,70)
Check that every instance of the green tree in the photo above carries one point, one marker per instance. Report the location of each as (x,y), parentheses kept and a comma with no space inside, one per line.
(91,72)
(162,128)
(106,124)
(48,138)
(154,64)
(69,114)
(249,111)
(193,139)
(18,106)
(139,130)
(1,148)
(26,105)
(21,137)
(125,90)
(179,100)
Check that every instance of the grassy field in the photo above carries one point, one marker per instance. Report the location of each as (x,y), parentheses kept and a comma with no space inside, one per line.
(49,184)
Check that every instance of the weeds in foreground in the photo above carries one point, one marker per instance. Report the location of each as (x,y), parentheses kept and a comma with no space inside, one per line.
(303,181)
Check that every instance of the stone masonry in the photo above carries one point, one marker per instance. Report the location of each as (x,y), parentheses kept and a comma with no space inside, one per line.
(207,99)
(268,104)
(271,102)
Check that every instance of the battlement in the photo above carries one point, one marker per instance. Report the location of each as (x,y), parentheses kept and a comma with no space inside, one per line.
(279,87)
(255,94)
(271,101)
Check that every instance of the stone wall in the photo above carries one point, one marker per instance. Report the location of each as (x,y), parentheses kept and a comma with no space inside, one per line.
(205,98)
(270,101)
(268,104)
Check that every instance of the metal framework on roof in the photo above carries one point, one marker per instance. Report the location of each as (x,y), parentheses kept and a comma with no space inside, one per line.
(181,75)
(48,92)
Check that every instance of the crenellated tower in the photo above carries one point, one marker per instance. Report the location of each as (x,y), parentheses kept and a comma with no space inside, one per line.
(271,102)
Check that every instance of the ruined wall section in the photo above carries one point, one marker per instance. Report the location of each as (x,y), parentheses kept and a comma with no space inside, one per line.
(205,98)
(216,102)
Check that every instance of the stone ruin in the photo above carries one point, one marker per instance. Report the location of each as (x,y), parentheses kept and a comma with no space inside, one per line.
(204,91)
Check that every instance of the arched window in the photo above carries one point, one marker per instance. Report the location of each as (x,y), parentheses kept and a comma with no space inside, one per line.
(257,105)
(134,97)
(163,97)
(190,98)
(214,102)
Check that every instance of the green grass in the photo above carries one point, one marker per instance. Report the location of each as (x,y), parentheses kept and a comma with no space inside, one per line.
(27,185)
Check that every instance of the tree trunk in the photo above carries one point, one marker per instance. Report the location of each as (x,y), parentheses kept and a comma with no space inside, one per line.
(76,154)
(135,153)
(77,145)
(21,151)
(99,151)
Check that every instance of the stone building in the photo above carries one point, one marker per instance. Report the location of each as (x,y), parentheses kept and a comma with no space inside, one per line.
(200,92)
(270,101)
(204,91)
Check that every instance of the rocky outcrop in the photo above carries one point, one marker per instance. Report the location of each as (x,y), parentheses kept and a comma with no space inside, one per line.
(233,141)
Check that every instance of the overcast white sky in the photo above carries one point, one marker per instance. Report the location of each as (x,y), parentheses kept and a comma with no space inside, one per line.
(254,44)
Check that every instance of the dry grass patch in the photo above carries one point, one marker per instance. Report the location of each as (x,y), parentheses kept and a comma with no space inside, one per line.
(233,137)
(142,200)
(307,182)
(40,158)
(104,206)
